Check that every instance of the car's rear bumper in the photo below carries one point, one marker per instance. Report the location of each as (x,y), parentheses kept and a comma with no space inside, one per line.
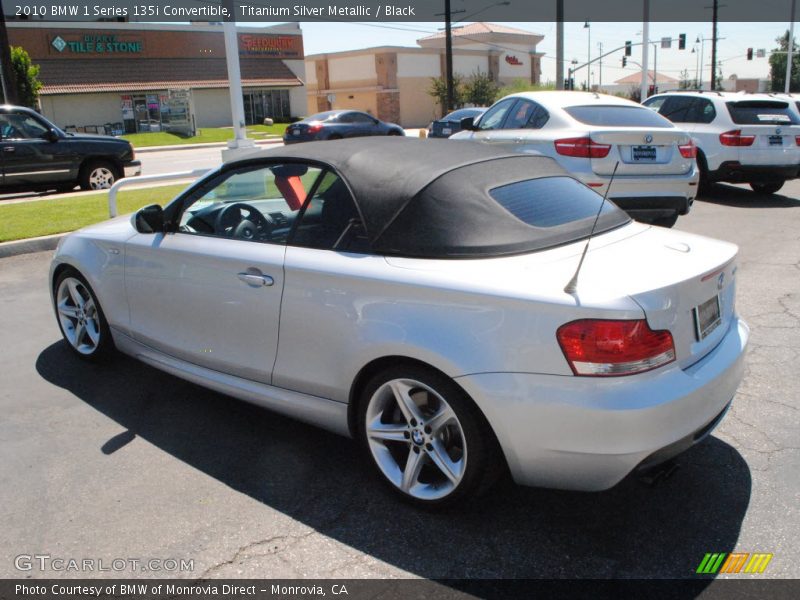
(653,207)
(735,172)
(132,168)
(588,433)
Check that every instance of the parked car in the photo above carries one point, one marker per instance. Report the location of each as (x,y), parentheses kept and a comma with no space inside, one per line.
(741,138)
(590,134)
(338,124)
(451,123)
(38,155)
(420,290)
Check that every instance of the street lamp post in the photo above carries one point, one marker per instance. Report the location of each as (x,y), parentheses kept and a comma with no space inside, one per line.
(702,42)
(448,50)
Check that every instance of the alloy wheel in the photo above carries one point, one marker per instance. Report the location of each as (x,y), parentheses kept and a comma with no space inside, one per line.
(101,178)
(416,439)
(78,315)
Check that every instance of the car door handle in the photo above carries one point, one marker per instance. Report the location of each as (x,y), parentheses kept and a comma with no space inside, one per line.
(256,280)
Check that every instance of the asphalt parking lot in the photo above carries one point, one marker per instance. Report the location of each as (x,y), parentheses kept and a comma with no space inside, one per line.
(123,461)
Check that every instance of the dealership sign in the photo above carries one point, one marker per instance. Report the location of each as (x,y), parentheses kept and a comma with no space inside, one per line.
(289,46)
(97,44)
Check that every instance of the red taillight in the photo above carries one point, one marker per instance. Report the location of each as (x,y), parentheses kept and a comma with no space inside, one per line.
(582,147)
(797,140)
(688,150)
(314,127)
(602,348)
(735,138)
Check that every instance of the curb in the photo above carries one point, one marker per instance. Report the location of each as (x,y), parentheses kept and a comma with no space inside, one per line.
(31,245)
(147,149)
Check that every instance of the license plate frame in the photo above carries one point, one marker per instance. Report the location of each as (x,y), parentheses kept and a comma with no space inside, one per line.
(646,154)
(707,317)
(446,131)
(775,140)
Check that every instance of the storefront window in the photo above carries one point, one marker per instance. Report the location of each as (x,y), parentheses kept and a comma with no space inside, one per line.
(259,104)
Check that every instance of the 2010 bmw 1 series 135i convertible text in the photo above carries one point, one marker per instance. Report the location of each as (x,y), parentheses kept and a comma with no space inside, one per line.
(411,294)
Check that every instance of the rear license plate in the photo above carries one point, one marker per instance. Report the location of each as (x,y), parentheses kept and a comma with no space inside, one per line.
(644,153)
(707,317)
(295,132)
(446,131)
(776,140)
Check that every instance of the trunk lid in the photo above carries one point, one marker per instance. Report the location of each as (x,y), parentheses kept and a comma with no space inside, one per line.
(669,274)
(642,151)
(773,145)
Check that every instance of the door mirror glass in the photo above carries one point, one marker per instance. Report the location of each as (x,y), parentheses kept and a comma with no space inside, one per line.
(150,219)
(52,135)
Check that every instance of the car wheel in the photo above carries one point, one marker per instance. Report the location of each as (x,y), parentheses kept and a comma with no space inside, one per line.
(426,438)
(665,221)
(334,136)
(80,317)
(767,188)
(703,184)
(98,175)
(394,132)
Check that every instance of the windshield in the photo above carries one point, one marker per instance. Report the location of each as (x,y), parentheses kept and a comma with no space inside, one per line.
(762,112)
(618,116)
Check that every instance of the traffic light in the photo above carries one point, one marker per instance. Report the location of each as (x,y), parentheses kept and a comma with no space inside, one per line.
(749,54)
(682,41)
(624,61)
(628,48)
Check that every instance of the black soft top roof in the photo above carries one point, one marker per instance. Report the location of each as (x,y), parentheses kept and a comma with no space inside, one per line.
(430,197)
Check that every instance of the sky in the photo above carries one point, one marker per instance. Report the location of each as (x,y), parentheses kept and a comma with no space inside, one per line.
(735,39)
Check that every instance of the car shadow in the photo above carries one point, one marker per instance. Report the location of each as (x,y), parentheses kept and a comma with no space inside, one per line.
(324,481)
(731,195)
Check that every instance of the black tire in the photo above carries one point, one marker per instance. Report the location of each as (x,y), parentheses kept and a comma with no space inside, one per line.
(482,458)
(103,348)
(65,188)
(394,132)
(703,184)
(94,171)
(334,136)
(666,221)
(767,188)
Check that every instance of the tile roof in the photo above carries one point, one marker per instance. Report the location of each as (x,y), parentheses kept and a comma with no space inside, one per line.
(476,28)
(132,74)
(637,78)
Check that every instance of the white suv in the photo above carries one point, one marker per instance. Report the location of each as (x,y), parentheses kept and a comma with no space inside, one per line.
(741,138)
(590,135)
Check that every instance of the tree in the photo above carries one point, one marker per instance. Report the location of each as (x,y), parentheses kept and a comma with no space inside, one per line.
(481,89)
(438,89)
(777,66)
(687,83)
(26,75)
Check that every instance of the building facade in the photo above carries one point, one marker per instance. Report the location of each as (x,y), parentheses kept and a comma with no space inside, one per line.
(392,82)
(125,74)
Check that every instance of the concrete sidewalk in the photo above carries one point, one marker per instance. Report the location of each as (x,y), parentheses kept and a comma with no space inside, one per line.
(145,149)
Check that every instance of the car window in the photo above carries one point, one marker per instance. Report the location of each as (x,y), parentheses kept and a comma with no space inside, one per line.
(330,221)
(678,109)
(617,116)
(703,111)
(462,113)
(257,204)
(520,115)
(550,201)
(493,118)
(762,112)
(21,126)
(538,119)
(655,103)
(361,118)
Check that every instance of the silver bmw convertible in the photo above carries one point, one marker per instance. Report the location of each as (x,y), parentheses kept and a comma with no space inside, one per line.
(458,309)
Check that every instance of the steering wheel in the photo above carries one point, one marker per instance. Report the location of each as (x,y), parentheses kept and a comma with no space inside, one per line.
(242,221)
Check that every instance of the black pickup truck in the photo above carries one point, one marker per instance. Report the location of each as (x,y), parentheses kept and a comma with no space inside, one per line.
(37,155)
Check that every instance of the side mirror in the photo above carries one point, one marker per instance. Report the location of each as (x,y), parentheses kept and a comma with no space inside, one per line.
(150,219)
(468,124)
(52,135)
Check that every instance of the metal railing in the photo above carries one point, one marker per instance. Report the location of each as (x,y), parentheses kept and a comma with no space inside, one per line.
(112,193)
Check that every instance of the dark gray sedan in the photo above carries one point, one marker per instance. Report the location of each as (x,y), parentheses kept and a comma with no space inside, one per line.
(338,124)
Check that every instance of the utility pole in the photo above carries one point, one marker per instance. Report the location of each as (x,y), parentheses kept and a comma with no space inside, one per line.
(600,74)
(448,49)
(240,144)
(645,49)
(7,77)
(560,44)
(789,49)
(714,48)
